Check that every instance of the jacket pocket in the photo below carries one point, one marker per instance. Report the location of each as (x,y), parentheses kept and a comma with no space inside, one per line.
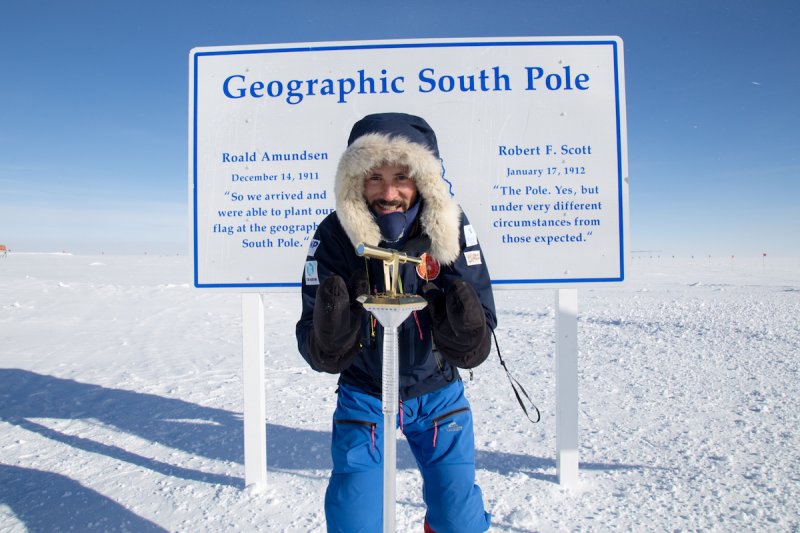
(370,426)
(441,419)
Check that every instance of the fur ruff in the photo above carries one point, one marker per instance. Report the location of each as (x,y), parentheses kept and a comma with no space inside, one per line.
(440,216)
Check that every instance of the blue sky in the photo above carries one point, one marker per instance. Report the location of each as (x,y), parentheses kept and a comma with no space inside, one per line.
(93,109)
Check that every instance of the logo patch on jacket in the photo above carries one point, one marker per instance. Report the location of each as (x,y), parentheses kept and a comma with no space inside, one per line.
(470,236)
(453,427)
(429,268)
(473,257)
(312,277)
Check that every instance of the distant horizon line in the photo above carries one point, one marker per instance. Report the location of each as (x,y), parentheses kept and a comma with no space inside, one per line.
(659,253)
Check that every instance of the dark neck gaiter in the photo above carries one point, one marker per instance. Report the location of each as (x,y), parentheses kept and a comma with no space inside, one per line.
(394,226)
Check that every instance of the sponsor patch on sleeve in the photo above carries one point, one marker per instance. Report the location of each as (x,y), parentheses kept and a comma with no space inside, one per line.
(312,276)
(312,248)
(470,236)
(473,257)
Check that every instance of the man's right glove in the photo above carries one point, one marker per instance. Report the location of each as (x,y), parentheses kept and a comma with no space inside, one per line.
(335,339)
(459,323)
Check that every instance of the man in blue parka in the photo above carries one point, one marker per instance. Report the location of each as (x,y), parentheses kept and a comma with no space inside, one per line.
(390,193)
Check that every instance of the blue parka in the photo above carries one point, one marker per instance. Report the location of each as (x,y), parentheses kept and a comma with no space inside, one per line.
(422,368)
(439,228)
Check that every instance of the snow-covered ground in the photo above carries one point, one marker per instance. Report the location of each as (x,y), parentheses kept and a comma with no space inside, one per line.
(121,400)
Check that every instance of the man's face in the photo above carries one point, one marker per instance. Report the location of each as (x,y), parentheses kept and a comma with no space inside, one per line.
(388,189)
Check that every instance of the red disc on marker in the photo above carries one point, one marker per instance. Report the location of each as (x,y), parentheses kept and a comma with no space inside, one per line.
(429,268)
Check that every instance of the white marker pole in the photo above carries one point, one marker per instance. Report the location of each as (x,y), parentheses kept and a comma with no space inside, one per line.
(391,312)
(567,386)
(389,393)
(391,309)
(255,434)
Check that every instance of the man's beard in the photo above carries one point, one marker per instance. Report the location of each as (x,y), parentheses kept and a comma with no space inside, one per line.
(381,205)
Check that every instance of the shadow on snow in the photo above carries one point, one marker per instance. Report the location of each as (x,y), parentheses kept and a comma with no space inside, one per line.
(202,431)
(45,501)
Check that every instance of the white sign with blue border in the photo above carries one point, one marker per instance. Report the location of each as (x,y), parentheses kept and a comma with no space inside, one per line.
(532,134)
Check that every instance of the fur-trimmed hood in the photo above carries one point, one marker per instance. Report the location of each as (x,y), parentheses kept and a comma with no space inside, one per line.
(389,139)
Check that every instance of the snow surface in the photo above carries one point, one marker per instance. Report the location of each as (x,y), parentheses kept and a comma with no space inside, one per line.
(121,400)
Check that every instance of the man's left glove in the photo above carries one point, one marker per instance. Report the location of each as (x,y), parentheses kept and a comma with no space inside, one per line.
(335,339)
(459,323)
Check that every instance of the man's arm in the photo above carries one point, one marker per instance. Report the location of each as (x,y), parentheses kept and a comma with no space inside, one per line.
(329,330)
(461,305)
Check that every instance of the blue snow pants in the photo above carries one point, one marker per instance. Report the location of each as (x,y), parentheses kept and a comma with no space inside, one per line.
(438,428)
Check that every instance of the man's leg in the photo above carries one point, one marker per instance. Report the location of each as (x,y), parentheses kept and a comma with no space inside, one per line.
(442,440)
(354,499)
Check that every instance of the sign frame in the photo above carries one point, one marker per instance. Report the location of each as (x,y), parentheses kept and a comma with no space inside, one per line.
(618,248)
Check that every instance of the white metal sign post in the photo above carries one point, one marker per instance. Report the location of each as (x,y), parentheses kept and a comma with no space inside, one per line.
(567,386)
(255,411)
(534,148)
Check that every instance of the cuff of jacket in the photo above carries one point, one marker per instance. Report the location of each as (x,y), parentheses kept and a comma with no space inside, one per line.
(332,363)
(468,357)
